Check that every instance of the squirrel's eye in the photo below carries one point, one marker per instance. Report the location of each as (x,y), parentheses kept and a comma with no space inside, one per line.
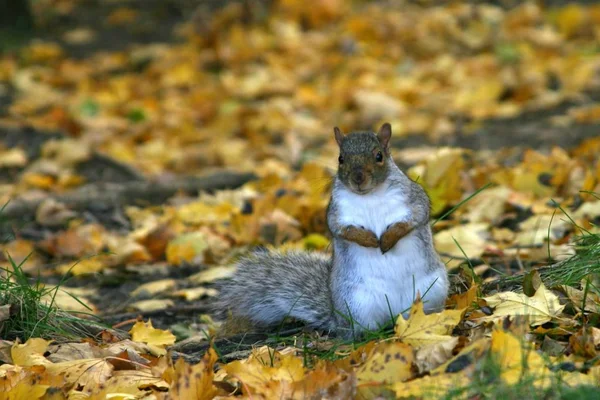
(379,157)
(341,159)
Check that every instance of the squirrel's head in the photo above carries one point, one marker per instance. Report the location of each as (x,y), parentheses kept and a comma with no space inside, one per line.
(364,158)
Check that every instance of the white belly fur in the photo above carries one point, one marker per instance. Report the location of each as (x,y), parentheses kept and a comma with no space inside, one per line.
(385,284)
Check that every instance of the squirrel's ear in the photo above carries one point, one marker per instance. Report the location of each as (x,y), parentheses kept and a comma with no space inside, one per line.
(384,135)
(339,136)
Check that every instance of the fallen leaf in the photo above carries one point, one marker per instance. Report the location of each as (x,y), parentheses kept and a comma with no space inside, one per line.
(194,381)
(71,351)
(466,299)
(154,287)
(187,248)
(431,387)
(157,339)
(387,363)
(422,329)
(212,274)
(270,376)
(151,305)
(433,355)
(516,358)
(539,309)
(30,353)
(196,293)
(124,384)
(70,299)
(86,373)
(463,240)
(12,158)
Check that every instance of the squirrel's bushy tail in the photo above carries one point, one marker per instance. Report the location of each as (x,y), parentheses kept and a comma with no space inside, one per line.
(271,286)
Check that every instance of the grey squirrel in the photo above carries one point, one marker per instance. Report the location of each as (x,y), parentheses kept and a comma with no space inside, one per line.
(383,253)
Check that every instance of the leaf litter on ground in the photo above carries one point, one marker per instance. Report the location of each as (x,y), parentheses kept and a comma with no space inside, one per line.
(284,80)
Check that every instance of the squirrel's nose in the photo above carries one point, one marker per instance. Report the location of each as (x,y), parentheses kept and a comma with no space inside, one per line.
(358,177)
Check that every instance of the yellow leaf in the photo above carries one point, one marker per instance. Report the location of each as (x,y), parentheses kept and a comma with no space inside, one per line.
(482,93)
(30,352)
(152,304)
(464,239)
(325,378)
(38,180)
(488,205)
(198,213)
(466,299)
(271,374)
(157,338)
(515,359)
(65,299)
(431,387)
(194,382)
(126,384)
(540,308)
(315,241)
(213,274)
(196,293)
(24,254)
(18,383)
(15,157)
(83,267)
(154,287)
(444,162)
(187,248)
(536,229)
(423,329)
(87,373)
(387,363)
(570,19)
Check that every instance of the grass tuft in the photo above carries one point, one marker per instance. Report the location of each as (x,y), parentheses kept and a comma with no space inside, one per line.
(32,311)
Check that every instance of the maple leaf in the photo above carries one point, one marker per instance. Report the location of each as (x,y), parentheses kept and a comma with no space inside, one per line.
(515,358)
(421,329)
(325,378)
(128,384)
(540,308)
(86,373)
(26,382)
(194,382)
(268,373)
(155,338)
(387,363)
(30,352)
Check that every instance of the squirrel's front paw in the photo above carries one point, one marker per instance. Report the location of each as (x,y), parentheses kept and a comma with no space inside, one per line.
(360,236)
(391,236)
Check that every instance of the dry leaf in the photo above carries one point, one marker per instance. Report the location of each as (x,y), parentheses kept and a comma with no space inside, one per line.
(463,240)
(387,363)
(539,309)
(422,329)
(154,287)
(194,381)
(157,339)
(515,358)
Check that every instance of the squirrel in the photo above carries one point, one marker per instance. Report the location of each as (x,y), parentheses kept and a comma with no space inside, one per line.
(383,253)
